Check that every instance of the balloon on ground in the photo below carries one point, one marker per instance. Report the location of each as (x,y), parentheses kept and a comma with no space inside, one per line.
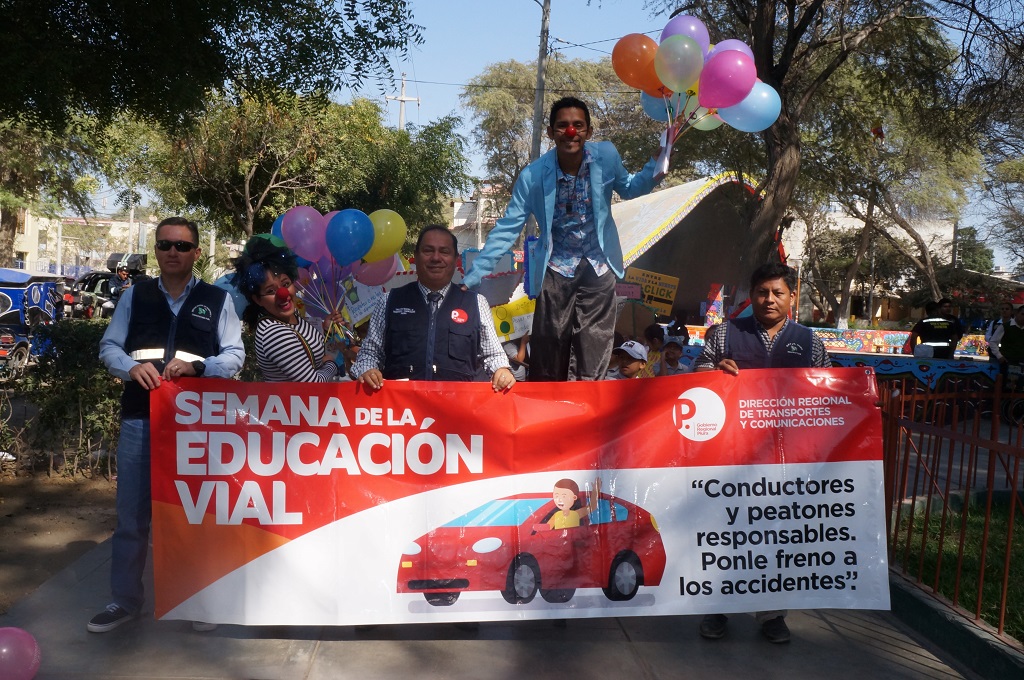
(19,654)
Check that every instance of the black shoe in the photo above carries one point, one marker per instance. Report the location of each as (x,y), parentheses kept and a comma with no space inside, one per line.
(109,619)
(776,630)
(713,626)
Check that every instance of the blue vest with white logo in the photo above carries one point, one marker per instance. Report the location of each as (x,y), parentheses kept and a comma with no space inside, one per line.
(154,326)
(456,336)
(791,349)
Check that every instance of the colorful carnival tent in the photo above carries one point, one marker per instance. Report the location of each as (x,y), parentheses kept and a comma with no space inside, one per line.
(693,231)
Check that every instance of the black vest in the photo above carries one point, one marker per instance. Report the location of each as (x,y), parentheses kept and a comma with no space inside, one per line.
(941,333)
(154,326)
(791,349)
(1012,344)
(456,336)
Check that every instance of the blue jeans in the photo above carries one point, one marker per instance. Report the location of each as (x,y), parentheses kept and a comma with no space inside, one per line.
(134,513)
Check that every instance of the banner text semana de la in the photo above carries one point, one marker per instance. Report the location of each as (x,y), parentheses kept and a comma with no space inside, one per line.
(304,504)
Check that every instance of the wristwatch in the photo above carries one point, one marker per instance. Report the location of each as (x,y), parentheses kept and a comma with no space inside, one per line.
(199,367)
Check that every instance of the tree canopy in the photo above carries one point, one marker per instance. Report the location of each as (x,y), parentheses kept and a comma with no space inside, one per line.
(246,161)
(799,48)
(159,59)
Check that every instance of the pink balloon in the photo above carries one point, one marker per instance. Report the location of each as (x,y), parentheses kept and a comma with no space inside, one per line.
(303,231)
(689,26)
(726,80)
(376,273)
(19,654)
(730,44)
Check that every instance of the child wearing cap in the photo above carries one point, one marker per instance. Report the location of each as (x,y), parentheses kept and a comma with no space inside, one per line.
(670,364)
(632,357)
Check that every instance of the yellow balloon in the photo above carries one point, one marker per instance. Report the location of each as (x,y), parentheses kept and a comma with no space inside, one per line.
(389,232)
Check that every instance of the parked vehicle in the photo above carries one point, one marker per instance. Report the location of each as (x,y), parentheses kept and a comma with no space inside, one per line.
(95,293)
(27,300)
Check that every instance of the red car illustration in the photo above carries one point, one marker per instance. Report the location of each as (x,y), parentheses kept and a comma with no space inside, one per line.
(506,545)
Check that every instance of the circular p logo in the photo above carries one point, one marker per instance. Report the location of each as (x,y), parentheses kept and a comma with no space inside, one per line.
(698,414)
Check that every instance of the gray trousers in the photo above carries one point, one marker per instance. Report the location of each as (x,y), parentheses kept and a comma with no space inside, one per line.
(574,317)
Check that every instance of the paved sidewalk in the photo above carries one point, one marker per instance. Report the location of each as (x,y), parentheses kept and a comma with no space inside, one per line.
(832,644)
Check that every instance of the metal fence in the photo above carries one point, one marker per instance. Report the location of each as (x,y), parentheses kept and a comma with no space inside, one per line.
(953,491)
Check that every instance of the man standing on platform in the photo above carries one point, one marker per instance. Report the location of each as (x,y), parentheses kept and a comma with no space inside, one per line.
(572,267)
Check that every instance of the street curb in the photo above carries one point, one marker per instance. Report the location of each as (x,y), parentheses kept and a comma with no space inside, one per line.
(971,645)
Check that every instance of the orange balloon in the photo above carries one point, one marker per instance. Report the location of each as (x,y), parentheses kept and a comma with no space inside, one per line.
(633,61)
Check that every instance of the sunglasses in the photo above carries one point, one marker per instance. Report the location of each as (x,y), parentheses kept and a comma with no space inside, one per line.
(180,246)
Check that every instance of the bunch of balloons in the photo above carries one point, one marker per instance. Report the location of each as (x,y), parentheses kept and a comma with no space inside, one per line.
(687,82)
(335,248)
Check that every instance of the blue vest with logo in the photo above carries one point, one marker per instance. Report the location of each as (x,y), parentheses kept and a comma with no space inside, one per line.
(456,336)
(154,326)
(791,349)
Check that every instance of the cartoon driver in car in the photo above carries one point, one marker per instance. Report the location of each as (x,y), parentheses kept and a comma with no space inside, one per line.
(569,513)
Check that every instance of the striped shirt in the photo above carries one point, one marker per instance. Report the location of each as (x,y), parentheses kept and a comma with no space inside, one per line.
(714,347)
(288,353)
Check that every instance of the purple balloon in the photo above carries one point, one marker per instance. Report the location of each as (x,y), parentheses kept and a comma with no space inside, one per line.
(303,231)
(349,235)
(726,80)
(687,25)
(19,654)
(730,44)
(756,112)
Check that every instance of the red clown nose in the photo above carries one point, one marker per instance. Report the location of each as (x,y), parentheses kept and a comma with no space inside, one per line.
(282,295)
(570,131)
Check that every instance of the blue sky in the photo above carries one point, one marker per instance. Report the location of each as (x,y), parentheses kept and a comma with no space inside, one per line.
(462,37)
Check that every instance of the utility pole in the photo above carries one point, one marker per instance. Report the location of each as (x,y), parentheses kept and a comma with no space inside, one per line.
(402,99)
(542,67)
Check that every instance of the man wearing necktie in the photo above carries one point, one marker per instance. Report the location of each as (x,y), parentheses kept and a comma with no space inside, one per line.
(430,329)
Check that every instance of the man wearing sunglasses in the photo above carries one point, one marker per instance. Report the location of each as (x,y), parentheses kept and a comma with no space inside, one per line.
(165,328)
(572,267)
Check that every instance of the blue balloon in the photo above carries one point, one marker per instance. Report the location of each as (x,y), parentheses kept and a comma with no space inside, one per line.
(349,236)
(226,282)
(655,107)
(303,262)
(276,228)
(756,112)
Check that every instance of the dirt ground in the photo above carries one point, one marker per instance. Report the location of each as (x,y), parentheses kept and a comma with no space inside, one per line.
(46,523)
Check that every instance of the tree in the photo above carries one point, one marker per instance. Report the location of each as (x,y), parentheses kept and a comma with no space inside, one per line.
(799,48)
(43,172)
(158,60)
(246,161)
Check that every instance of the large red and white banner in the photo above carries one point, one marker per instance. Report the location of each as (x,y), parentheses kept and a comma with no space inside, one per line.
(328,505)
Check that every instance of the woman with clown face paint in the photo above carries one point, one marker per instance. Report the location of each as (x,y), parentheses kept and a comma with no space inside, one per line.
(288,347)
